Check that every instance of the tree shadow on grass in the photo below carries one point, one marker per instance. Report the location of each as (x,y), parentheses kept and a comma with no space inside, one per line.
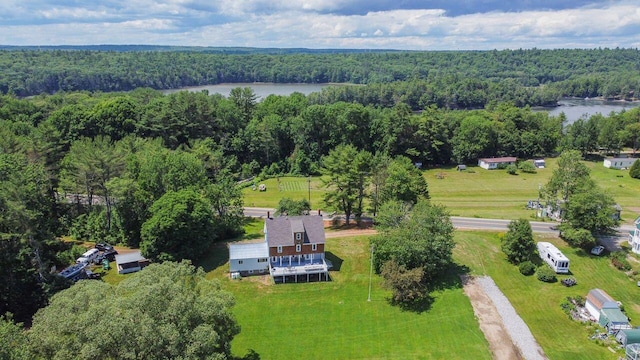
(448,279)
(217,256)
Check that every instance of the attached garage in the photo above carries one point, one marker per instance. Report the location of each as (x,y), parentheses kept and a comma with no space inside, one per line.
(247,259)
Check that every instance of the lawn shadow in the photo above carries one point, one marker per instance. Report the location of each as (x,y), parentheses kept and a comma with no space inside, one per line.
(448,279)
(217,256)
(419,306)
(336,262)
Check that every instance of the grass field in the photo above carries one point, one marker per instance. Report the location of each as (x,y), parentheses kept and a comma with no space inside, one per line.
(538,303)
(496,194)
(473,193)
(334,320)
(296,188)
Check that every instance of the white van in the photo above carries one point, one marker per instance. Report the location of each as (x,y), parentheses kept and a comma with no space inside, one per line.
(88,256)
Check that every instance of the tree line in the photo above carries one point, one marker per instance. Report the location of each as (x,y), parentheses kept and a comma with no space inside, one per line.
(151,167)
(611,73)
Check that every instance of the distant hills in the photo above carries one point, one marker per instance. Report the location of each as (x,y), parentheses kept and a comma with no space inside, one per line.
(202,49)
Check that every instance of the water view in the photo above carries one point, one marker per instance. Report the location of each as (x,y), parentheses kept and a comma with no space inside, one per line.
(262,90)
(574,109)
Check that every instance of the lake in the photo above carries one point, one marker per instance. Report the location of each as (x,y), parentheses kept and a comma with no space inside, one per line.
(262,90)
(574,109)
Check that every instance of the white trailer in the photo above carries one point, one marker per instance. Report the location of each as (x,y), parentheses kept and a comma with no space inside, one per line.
(554,257)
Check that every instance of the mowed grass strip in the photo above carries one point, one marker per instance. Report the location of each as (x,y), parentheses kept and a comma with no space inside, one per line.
(538,303)
(334,320)
(295,188)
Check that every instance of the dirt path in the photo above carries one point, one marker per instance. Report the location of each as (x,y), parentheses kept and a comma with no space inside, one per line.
(490,322)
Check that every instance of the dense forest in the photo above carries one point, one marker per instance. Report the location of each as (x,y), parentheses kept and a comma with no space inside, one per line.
(148,170)
(463,79)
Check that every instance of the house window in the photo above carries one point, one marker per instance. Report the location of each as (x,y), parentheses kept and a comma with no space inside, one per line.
(239,261)
(298,247)
(298,236)
(279,249)
(262,260)
(314,247)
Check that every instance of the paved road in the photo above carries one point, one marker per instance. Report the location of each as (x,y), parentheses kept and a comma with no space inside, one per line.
(498,224)
(612,243)
(458,222)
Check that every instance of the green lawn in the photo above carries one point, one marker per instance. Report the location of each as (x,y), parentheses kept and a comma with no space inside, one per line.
(474,193)
(496,194)
(538,303)
(334,320)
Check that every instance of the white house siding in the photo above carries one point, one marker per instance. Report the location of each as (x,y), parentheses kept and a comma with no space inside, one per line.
(634,241)
(249,258)
(595,312)
(249,265)
(619,163)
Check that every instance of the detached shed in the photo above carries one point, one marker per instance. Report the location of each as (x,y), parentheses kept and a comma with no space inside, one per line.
(613,320)
(130,262)
(628,336)
(597,300)
(461,167)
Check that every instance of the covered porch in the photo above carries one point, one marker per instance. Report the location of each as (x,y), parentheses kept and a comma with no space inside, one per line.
(304,270)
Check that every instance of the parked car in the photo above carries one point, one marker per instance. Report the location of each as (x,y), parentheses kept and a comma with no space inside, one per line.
(103,247)
(598,250)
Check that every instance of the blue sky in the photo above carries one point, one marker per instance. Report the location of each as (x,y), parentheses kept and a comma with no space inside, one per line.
(361,24)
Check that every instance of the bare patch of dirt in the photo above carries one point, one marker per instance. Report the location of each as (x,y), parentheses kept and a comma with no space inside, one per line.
(500,343)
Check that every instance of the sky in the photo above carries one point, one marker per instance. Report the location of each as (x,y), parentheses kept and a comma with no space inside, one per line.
(325,24)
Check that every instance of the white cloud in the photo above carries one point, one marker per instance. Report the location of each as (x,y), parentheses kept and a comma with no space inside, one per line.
(314,24)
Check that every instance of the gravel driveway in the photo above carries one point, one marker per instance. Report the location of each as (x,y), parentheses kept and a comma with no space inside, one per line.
(489,304)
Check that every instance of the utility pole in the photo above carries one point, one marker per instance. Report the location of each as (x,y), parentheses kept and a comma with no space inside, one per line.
(370,273)
(309,182)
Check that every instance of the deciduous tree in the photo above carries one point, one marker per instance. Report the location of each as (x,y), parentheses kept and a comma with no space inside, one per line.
(180,227)
(168,310)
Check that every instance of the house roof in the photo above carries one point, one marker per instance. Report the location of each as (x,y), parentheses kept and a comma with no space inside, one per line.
(129,257)
(248,251)
(615,316)
(600,298)
(499,159)
(279,230)
(632,335)
(621,159)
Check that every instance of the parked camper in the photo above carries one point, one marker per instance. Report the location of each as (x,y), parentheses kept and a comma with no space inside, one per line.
(552,256)
(88,256)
